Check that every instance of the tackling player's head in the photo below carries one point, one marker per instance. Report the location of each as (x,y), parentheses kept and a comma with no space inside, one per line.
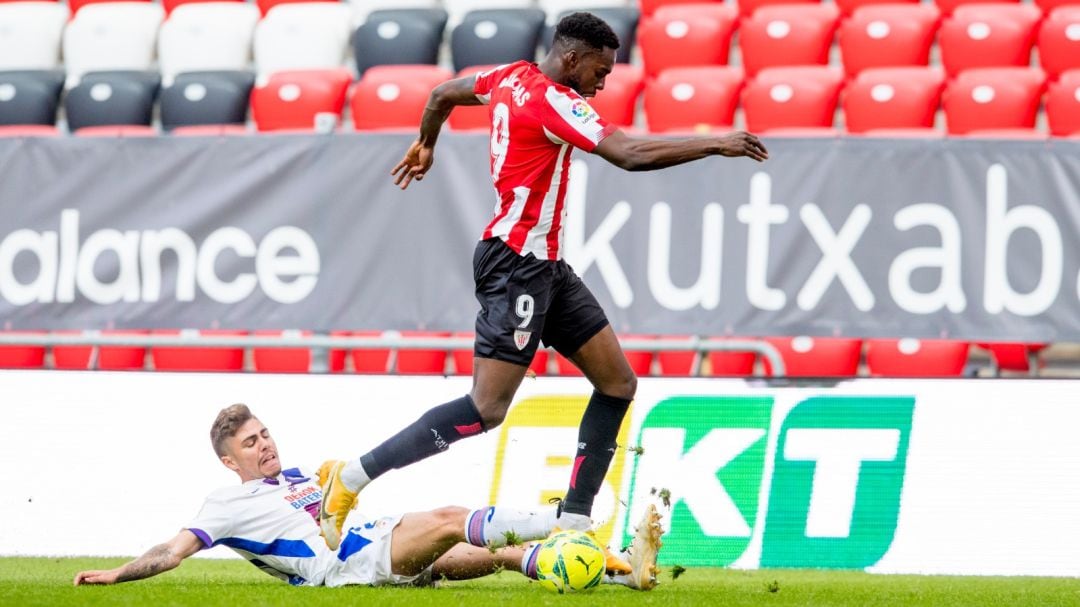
(244,444)
(585,44)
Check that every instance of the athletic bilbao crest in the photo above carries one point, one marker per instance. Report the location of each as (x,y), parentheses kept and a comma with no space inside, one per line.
(521,338)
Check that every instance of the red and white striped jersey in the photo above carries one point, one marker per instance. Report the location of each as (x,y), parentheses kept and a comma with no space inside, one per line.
(535,123)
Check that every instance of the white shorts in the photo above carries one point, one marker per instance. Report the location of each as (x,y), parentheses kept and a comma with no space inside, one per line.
(370,564)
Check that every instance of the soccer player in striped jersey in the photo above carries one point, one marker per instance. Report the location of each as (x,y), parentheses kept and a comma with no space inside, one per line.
(527,293)
(270,520)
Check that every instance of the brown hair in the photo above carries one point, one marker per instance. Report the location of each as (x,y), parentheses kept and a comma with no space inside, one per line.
(227,423)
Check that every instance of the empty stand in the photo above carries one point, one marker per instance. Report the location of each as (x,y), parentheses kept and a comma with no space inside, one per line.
(471,117)
(1059,41)
(648,7)
(197,358)
(396,37)
(622,19)
(210,130)
(993,98)
(730,364)
(893,98)
(207,98)
(459,9)
(1015,356)
(849,7)
(297,100)
(77,5)
(488,37)
(108,358)
(22,357)
(112,98)
(1048,6)
(783,35)
(30,97)
(916,358)
(684,35)
(693,98)
(171,5)
(111,36)
(949,6)
(676,362)
(817,356)
(786,97)
(422,362)
(1063,105)
(291,360)
(304,36)
(617,101)
(204,37)
(988,35)
(361,9)
(393,96)
(266,5)
(368,360)
(888,35)
(29,130)
(117,130)
(30,34)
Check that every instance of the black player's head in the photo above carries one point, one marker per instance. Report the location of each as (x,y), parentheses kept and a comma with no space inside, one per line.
(586,44)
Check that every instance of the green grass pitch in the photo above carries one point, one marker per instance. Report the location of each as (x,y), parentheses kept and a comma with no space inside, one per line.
(205,583)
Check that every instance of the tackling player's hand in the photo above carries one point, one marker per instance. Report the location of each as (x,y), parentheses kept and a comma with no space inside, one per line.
(741,143)
(95,577)
(414,165)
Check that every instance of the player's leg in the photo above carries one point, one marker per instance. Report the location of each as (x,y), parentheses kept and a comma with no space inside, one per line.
(465,562)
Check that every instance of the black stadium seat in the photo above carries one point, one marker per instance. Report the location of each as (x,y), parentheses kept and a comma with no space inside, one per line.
(399,36)
(624,20)
(112,98)
(496,36)
(199,98)
(30,97)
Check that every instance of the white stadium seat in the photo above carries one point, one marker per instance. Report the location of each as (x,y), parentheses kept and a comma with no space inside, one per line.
(456,9)
(30,35)
(302,36)
(554,8)
(362,8)
(207,36)
(111,36)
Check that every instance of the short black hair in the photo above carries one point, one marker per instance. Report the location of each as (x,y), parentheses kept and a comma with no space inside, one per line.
(587,28)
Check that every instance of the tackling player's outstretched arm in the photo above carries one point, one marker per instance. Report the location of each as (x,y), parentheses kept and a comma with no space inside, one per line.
(158,559)
(443,99)
(650,153)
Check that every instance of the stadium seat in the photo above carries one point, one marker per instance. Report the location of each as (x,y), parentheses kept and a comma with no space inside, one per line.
(459,10)
(677,363)
(747,8)
(888,35)
(1014,134)
(304,36)
(1059,41)
(557,9)
(296,100)
(29,130)
(1048,6)
(266,5)
(685,35)
(171,5)
(76,5)
(212,36)
(849,7)
(622,19)
(111,36)
(22,357)
(112,98)
(993,98)
(916,358)
(892,98)
(397,37)
(1015,356)
(291,360)
(1063,105)
(393,96)
(106,358)
(30,34)
(785,97)
(168,358)
(210,130)
(723,363)
(117,130)
(785,35)
(617,102)
(369,360)
(361,9)
(30,97)
(648,7)
(692,98)
(471,117)
(817,356)
(207,98)
(904,133)
(488,37)
(988,35)
(949,6)
(422,362)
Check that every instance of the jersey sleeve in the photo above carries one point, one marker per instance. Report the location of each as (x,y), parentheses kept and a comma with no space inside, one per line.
(485,83)
(568,118)
(213,522)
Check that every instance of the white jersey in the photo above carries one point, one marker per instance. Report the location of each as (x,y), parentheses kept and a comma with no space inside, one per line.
(273,523)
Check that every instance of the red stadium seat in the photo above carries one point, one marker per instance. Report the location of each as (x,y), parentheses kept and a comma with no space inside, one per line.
(1049,6)
(850,7)
(817,356)
(676,362)
(1022,134)
(369,360)
(169,5)
(22,357)
(949,6)
(648,7)
(198,358)
(993,98)
(28,130)
(291,360)
(748,7)
(1063,105)
(75,5)
(210,130)
(689,98)
(888,35)
(119,130)
(393,96)
(295,100)
(421,362)
(641,361)
(1015,356)
(988,35)
(784,97)
(266,5)
(783,35)
(1059,41)
(618,101)
(893,97)
(471,117)
(916,358)
(686,35)
(905,133)
(111,358)
(724,363)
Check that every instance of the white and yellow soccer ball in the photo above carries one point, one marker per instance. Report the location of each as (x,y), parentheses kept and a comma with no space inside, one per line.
(570,561)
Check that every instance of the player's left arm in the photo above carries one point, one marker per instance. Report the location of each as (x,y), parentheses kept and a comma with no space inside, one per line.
(159,559)
(421,154)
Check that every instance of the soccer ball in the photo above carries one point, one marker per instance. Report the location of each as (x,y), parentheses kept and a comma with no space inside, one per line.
(570,561)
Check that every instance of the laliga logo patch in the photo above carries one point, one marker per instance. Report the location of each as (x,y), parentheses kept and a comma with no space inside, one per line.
(521,338)
(582,111)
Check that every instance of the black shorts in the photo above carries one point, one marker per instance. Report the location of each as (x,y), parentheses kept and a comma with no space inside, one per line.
(524,300)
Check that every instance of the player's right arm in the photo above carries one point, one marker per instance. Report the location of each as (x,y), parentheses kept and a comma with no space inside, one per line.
(650,153)
(421,154)
(158,559)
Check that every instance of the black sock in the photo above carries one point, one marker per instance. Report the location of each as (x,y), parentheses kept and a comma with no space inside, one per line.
(432,433)
(596,446)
